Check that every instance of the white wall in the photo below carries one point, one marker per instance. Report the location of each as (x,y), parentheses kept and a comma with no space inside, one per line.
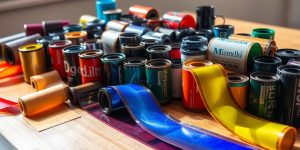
(278,12)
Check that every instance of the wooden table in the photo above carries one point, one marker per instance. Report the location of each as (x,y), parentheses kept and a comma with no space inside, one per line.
(90,133)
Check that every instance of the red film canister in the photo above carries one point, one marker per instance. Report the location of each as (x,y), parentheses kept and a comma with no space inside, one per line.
(90,66)
(175,51)
(143,12)
(57,57)
(33,28)
(178,20)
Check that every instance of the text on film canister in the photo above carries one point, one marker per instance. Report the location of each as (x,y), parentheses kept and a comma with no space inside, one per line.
(57,58)
(71,64)
(191,96)
(263,94)
(158,75)
(236,56)
(289,97)
(90,66)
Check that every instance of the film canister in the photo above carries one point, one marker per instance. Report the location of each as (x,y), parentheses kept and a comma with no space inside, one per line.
(150,42)
(76,37)
(137,29)
(128,38)
(143,12)
(175,51)
(103,5)
(264,33)
(116,25)
(239,86)
(134,49)
(134,71)
(113,68)
(54,26)
(193,48)
(266,64)
(162,38)
(286,54)
(112,14)
(84,95)
(158,51)
(223,31)
(158,75)
(178,20)
(111,42)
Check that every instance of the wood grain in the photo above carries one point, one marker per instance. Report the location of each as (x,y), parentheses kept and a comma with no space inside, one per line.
(89,133)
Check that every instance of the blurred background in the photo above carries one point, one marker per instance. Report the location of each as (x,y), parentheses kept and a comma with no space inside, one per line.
(14,13)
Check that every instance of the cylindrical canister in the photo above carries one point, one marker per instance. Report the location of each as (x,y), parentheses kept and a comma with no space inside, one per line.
(33,60)
(84,19)
(134,71)
(236,56)
(178,20)
(150,42)
(137,29)
(239,86)
(10,52)
(263,94)
(289,97)
(54,26)
(176,73)
(113,68)
(45,80)
(103,5)
(112,14)
(116,25)
(223,31)
(206,33)
(158,51)
(90,66)
(205,17)
(170,32)
(133,49)
(264,33)
(268,46)
(84,95)
(266,64)
(76,37)
(7,39)
(129,38)
(193,48)
(191,96)
(71,64)
(158,75)
(286,54)
(143,12)
(57,57)
(175,51)
(72,28)
(160,37)
(34,28)
(111,42)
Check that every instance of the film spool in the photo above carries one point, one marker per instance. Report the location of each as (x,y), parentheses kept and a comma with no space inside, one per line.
(33,60)
(91,66)
(10,51)
(71,64)
(137,29)
(176,73)
(116,25)
(34,28)
(113,68)
(263,94)
(84,95)
(149,42)
(160,37)
(57,57)
(54,26)
(268,46)
(45,80)
(129,38)
(223,31)
(289,95)
(102,6)
(236,56)
(191,96)
(7,39)
(41,101)
(93,44)
(134,50)
(158,51)
(134,70)
(239,86)
(143,12)
(112,14)
(264,33)
(193,48)
(84,19)
(170,32)
(266,64)
(175,51)
(72,28)
(111,42)
(286,54)
(158,76)
(76,37)
(178,20)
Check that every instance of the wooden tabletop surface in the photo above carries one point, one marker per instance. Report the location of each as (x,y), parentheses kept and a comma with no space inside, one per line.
(90,133)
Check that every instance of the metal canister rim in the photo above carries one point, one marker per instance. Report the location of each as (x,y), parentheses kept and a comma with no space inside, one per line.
(158,63)
(264,77)
(195,39)
(76,34)
(135,61)
(128,35)
(290,70)
(267,60)
(150,41)
(237,80)
(60,43)
(115,57)
(133,45)
(193,51)
(195,64)
(287,52)
(90,54)
(224,27)
(158,48)
(73,49)
(30,47)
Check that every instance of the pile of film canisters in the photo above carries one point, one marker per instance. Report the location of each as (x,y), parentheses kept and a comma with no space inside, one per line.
(143,48)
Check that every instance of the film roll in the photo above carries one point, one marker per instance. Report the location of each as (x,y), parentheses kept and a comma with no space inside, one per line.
(45,80)
(111,42)
(239,86)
